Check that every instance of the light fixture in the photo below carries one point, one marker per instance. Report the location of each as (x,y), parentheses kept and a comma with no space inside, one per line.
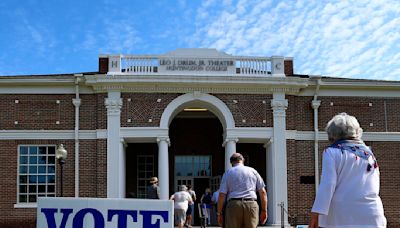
(61,155)
(195,110)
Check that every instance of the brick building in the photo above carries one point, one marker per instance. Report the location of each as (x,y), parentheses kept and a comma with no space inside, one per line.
(180,116)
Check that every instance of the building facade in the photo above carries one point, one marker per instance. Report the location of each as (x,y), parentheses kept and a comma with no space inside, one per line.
(180,116)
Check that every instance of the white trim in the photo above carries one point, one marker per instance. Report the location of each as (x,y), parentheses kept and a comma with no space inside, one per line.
(44,89)
(149,134)
(25,205)
(373,93)
(367,136)
(101,134)
(143,134)
(250,134)
(202,100)
(48,134)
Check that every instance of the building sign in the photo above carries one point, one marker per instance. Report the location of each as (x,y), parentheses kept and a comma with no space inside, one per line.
(197,65)
(104,213)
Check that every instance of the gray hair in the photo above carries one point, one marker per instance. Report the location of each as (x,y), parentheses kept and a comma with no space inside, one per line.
(343,126)
(182,188)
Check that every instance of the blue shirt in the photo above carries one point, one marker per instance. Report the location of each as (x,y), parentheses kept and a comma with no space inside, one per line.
(241,182)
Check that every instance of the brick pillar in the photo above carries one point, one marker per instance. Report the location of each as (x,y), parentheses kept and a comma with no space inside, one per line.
(103,65)
(288,63)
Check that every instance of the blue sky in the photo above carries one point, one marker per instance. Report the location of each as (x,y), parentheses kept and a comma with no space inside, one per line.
(355,39)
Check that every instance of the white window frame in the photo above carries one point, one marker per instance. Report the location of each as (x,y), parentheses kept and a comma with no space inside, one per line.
(46,193)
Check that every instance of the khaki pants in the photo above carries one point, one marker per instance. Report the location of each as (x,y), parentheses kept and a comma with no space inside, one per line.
(241,214)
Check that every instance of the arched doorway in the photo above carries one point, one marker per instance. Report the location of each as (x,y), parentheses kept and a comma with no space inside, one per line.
(196,151)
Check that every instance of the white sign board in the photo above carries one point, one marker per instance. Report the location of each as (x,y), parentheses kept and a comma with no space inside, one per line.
(302,226)
(197,65)
(100,213)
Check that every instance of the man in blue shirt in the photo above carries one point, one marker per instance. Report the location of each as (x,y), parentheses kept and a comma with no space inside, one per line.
(239,185)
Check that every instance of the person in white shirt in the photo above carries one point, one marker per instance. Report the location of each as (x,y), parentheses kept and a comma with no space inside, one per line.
(348,196)
(181,199)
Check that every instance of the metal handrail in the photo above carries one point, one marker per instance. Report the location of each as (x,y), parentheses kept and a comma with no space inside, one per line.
(283,211)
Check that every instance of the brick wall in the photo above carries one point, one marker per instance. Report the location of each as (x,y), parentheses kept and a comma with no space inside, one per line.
(365,113)
(101,111)
(9,216)
(387,156)
(101,167)
(300,162)
(88,155)
(36,112)
(144,109)
(249,110)
(300,113)
(89,111)
(92,176)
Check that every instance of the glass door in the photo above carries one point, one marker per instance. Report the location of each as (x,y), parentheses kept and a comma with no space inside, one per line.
(189,167)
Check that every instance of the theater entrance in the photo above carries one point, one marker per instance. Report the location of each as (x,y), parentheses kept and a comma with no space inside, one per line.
(196,152)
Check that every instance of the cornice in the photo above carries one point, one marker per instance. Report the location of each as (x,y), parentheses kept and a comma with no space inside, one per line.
(187,84)
(349,88)
(150,134)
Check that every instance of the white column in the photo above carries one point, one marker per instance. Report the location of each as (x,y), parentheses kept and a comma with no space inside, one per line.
(270,182)
(122,169)
(163,169)
(113,104)
(278,160)
(230,148)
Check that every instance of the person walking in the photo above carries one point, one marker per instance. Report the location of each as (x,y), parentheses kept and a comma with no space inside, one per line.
(190,210)
(206,205)
(348,195)
(214,209)
(182,199)
(239,184)
(153,190)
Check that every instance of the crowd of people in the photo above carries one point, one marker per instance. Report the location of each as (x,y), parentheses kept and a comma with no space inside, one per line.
(348,194)
(235,199)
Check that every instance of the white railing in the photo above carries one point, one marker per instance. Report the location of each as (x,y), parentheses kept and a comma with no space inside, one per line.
(194,65)
(139,65)
(253,66)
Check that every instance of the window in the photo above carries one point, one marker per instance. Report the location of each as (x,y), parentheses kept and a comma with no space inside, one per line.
(145,170)
(196,166)
(36,173)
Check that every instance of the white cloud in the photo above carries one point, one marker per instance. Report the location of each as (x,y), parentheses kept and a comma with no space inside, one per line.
(120,37)
(342,38)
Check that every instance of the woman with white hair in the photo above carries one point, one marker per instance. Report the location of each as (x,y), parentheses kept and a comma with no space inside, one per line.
(181,199)
(348,195)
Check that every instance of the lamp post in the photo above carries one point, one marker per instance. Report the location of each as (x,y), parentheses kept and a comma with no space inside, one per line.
(61,155)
